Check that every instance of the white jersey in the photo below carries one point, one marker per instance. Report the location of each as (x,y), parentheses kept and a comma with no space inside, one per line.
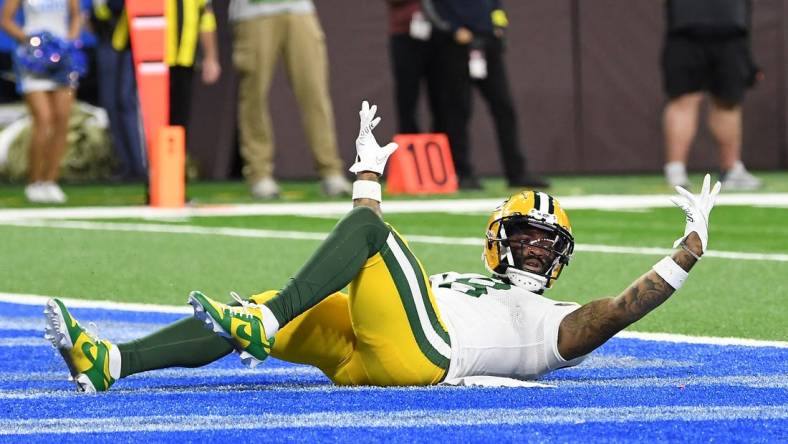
(497,329)
(46,15)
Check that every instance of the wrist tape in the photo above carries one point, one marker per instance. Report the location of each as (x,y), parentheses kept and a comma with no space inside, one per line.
(366,189)
(670,271)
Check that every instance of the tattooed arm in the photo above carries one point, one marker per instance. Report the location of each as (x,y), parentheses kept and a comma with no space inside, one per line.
(593,324)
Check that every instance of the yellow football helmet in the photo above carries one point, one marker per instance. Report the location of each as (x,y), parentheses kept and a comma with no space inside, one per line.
(529,241)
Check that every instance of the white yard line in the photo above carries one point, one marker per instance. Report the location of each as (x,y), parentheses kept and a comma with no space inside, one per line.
(604,202)
(154,377)
(392,419)
(31,299)
(305,235)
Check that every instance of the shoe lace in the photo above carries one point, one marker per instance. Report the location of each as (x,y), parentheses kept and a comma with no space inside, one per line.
(245,304)
(92,331)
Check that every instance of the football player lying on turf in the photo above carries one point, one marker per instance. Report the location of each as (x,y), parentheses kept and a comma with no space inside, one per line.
(396,326)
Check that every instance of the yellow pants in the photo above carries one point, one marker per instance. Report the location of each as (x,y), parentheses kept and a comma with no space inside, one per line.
(387,331)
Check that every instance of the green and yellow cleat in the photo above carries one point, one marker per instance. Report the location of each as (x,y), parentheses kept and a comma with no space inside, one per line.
(87,357)
(242,325)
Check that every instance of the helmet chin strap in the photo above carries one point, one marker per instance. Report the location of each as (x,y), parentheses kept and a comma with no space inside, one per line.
(525,280)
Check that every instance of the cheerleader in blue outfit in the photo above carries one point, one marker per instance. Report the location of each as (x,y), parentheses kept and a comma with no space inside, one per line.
(47,83)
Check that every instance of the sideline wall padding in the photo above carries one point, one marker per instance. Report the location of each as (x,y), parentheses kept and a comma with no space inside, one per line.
(585,77)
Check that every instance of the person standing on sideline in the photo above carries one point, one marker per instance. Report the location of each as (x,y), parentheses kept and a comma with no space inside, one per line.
(264,31)
(48,99)
(189,21)
(413,61)
(471,39)
(707,49)
(118,88)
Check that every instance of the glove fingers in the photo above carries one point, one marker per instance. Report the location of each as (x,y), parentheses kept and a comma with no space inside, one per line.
(712,198)
(374,123)
(390,148)
(715,191)
(685,193)
(678,202)
(372,111)
(364,108)
(706,182)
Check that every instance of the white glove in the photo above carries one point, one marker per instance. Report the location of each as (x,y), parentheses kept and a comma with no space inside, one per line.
(697,209)
(369,155)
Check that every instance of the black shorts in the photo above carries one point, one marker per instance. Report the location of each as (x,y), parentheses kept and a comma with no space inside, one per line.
(721,66)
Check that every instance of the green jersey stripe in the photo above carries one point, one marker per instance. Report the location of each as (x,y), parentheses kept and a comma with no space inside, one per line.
(403,289)
(397,267)
(425,296)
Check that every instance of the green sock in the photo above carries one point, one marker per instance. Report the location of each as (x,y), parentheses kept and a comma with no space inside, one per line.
(355,238)
(185,343)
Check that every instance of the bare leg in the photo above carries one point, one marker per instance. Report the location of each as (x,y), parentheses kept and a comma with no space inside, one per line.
(61,102)
(680,124)
(590,326)
(40,133)
(725,122)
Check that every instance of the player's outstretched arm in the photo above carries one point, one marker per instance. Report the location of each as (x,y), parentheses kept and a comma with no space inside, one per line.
(370,161)
(593,324)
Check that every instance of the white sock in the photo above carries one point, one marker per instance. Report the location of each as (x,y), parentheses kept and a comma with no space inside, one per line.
(270,323)
(675,167)
(114,362)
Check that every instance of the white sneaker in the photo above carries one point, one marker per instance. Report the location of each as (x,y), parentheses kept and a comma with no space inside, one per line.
(54,192)
(336,185)
(265,188)
(36,193)
(676,174)
(738,178)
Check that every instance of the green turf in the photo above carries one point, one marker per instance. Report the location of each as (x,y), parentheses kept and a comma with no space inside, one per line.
(12,195)
(722,298)
(734,228)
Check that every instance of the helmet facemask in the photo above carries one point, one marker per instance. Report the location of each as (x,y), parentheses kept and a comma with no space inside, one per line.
(532,249)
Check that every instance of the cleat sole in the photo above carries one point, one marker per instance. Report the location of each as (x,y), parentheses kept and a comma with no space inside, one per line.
(208,321)
(55,330)
(56,333)
(248,360)
(83,384)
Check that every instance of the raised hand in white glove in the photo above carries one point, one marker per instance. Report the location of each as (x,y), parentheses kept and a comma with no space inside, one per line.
(369,155)
(697,209)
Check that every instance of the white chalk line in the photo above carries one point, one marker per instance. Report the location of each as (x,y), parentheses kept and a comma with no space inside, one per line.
(750,381)
(315,236)
(39,300)
(604,202)
(392,419)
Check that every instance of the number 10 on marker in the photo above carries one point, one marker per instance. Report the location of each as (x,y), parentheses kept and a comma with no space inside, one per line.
(422,165)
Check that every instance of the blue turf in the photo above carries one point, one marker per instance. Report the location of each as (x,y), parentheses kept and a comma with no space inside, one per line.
(654,377)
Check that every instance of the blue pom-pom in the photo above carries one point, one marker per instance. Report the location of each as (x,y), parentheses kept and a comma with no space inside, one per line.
(51,56)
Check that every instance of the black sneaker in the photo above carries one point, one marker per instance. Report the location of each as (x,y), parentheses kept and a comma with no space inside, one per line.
(529,181)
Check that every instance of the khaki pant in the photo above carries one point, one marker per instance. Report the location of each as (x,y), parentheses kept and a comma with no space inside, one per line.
(257,45)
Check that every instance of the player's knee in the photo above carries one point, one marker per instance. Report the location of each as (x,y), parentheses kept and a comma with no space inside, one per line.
(363,218)
(364,222)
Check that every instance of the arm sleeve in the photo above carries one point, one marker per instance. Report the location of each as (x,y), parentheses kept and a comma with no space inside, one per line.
(208,21)
(439,17)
